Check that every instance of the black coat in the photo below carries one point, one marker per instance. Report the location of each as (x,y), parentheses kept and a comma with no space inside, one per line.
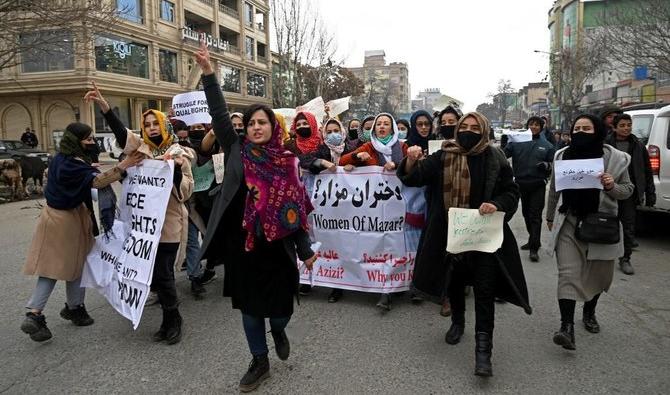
(264,281)
(432,267)
(639,169)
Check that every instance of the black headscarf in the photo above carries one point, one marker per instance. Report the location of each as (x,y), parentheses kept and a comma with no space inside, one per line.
(413,136)
(70,144)
(584,146)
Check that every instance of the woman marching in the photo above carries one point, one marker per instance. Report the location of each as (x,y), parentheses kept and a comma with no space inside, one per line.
(66,228)
(467,173)
(158,142)
(258,224)
(585,265)
(385,150)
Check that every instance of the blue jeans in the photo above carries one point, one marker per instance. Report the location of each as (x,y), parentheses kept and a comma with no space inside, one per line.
(254,329)
(193,267)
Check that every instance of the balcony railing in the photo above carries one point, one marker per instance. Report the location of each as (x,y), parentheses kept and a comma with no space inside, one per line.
(231,49)
(208,2)
(229,11)
(261,59)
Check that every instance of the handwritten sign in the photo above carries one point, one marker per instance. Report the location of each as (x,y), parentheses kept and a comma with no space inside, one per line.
(470,231)
(519,136)
(338,106)
(219,167)
(316,106)
(359,219)
(578,173)
(203,176)
(120,266)
(191,108)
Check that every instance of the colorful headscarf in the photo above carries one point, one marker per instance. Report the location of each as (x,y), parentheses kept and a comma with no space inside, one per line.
(311,143)
(166,133)
(282,124)
(277,203)
(335,150)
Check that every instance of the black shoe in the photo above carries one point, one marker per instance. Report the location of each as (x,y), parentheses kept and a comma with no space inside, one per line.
(565,337)
(525,247)
(197,289)
(305,289)
(335,295)
(78,316)
(173,327)
(384,303)
(259,370)
(625,266)
(635,244)
(533,256)
(590,322)
(282,346)
(207,276)
(454,333)
(36,326)
(416,298)
(183,266)
(483,346)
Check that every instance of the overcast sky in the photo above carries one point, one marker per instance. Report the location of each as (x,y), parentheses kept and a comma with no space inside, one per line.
(462,47)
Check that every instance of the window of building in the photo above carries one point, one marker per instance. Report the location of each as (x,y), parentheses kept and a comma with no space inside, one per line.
(132,10)
(256,85)
(167,11)
(248,14)
(120,106)
(249,47)
(47,51)
(117,55)
(167,62)
(261,52)
(230,79)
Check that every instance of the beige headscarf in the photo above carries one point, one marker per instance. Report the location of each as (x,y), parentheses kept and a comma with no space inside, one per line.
(456,172)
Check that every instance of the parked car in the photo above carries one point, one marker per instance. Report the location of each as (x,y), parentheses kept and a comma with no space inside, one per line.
(16,149)
(652,127)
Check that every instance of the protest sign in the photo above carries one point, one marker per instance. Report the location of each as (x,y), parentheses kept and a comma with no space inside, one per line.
(191,108)
(519,136)
(434,146)
(203,176)
(578,173)
(316,106)
(219,167)
(359,219)
(470,231)
(120,266)
(338,106)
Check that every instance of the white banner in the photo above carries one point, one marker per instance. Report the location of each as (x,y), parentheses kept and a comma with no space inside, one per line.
(191,108)
(316,106)
(470,231)
(359,220)
(519,136)
(338,106)
(121,267)
(578,173)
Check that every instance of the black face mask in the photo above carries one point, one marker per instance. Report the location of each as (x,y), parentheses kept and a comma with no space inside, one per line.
(585,143)
(92,151)
(468,140)
(157,140)
(196,134)
(240,132)
(304,132)
(447,131)
(353,134)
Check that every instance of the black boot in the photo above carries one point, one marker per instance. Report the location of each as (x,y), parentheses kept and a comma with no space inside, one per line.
(565,337)
(173,327)
(36,326)
(483,346)
(282,346)
(590,322)
(454,333)
(78,316)
(159,336)
(335,295)
(259,370)
(384,303)
(197,289)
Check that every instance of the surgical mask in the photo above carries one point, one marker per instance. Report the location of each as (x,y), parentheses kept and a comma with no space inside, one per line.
(365,137)
(468,140)
(157,139)
(385,140)
(304,132)
(447,131)
(334,139)
(353,134)
(402,134)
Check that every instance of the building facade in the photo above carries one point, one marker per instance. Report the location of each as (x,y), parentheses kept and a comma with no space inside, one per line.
(140,63)
(432,99)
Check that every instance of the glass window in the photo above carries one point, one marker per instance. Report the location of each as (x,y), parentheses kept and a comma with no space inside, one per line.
(120,106)
(116,55)
(167,10)
(47,51)
(256,85)
(167,62)
(249,47)
(131,10)
(230,79)
(249,14)
(642,126)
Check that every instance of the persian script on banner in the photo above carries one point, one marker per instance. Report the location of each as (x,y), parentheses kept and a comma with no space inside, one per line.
(120,266)
(578,173)
(470,231)
(359,219)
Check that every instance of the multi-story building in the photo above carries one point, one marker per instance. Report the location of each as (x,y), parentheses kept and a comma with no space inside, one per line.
(392,80)
(141,62)
(432,99)
(533,98)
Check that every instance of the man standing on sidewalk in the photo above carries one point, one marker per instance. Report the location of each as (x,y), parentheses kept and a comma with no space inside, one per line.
(531,161)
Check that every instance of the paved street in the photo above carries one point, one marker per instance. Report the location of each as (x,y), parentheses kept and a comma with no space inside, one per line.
(348,347)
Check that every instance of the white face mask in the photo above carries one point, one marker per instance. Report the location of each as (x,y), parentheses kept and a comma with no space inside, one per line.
(402,134)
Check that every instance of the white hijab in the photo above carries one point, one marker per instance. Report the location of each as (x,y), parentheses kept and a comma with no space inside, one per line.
(380,147)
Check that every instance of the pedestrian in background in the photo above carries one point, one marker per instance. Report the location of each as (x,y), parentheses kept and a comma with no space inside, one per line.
(352,131)
(420,130)
(29,138)
(642,178)
(585,269)
(448,118)
(607,116)
(403,129)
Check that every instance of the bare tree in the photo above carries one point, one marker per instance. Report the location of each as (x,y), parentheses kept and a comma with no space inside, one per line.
(49,27)
(500,98)
(635,33)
